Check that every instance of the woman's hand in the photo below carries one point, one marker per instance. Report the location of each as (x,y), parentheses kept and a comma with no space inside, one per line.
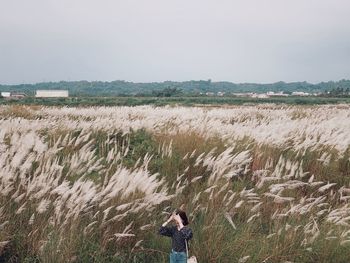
(178,219)
(169,219)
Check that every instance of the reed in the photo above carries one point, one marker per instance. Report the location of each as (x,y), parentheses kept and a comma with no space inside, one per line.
(260,184)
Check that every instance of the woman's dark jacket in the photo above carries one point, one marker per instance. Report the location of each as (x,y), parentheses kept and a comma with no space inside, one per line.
(178,237)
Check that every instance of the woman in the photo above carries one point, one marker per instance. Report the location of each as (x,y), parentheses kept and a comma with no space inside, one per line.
(179,234)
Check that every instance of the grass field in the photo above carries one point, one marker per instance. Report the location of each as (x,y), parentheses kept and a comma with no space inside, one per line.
(262,183)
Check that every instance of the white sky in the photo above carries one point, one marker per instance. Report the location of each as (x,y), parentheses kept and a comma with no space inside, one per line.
(158,40)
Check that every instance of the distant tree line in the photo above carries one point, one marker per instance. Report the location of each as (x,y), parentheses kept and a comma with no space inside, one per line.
(172,88)
(338,92)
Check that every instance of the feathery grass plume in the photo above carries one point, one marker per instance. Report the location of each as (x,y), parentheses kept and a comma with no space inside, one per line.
(43,205)
(229,219)
(243,259)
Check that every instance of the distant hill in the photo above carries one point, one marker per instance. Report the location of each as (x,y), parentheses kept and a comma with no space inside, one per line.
(120,87)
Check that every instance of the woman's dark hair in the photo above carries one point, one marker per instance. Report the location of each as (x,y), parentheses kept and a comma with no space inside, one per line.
(183,216)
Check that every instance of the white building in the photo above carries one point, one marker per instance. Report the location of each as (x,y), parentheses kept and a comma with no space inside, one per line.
(260,96)
(277,94)
(246,94)
(5,94)
(51,93)
(300,93)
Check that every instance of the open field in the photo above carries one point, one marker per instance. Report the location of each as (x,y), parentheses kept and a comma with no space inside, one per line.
(263,183)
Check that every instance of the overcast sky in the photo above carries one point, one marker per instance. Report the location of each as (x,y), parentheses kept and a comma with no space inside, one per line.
(157,40)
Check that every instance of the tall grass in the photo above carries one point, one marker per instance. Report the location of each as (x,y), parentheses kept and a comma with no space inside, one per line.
(265,184)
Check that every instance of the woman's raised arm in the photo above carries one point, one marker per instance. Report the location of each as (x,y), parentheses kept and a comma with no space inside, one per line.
(167,231)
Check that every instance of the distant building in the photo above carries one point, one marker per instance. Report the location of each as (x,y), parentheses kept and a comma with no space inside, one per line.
(5,94)
(276,94)
(221,93)
(247,94)
(12,95)
(17,95)
(259,96)
(209,93)
(51,93)
(300,93)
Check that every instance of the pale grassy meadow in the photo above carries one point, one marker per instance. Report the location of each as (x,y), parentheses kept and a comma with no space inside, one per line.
(263,183)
